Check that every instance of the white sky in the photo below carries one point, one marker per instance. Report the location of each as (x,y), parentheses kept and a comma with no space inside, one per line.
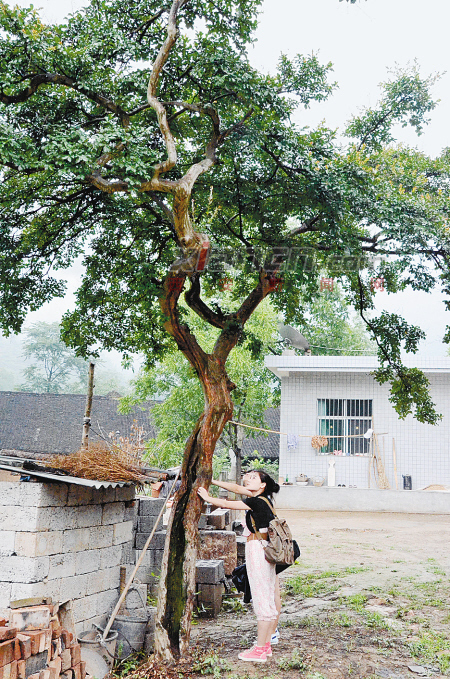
(362,41)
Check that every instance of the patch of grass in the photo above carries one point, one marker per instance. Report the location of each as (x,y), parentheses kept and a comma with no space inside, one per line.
(233,605)
(210,663)
(315,584)
(295,662)
(376,621)
(342,620)
(315,675)
(305,623)
(354,601)
(430,647)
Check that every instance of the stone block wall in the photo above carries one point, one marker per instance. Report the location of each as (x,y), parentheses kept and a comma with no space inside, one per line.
(63,541)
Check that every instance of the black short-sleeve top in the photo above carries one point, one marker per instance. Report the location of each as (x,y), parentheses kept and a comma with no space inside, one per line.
(261,512)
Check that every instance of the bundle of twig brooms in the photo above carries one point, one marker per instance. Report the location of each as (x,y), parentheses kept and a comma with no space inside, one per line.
(100,462)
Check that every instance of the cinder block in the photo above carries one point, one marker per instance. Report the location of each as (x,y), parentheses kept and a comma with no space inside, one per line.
(145,524)
(126,493)
(219,544)
(101,536)
(209,600)
(43,543)
(34,494)
(5,594)
(102,580)
(113,512)
(241,541)
(150,506)
(88,515)
(127,552)
(219,518)
(123,532)
(77,539)
(158,540)
(30,618)
(202,522)
(209,572)
(111,556)
(46,589)
(7,540)
(102,495)
(131,511)
(75,587)
(87,561)
(23,569)
(9,671)
(15,518)
(79,495)
(62,565)
(62,518)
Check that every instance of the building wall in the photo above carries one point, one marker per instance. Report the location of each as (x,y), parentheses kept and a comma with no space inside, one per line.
(65,542)
(422,450)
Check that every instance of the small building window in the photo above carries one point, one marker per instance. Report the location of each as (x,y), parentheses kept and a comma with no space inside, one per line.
(344,421)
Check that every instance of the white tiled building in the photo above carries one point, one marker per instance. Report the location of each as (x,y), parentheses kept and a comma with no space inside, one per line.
(336,396)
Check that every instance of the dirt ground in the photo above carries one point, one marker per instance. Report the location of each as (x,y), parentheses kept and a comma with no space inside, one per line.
(369,597)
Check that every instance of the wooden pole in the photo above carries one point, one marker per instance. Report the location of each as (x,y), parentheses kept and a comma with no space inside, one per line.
(87,412)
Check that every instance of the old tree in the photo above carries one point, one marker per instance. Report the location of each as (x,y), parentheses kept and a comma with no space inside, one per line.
(141,136)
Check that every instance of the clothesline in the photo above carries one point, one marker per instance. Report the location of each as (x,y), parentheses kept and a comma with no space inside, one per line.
(307,436)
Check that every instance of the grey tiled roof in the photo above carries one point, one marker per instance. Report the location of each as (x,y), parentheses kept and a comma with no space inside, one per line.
(53,423)
(268,446)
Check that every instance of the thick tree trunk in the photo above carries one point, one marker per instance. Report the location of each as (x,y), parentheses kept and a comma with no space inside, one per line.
(177,582)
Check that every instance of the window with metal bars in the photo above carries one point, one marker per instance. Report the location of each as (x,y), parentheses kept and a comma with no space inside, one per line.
(344,421)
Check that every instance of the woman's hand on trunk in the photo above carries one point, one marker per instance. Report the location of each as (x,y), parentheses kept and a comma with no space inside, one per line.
(203,494)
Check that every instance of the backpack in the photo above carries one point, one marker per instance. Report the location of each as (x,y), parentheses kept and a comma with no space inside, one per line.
(280,549)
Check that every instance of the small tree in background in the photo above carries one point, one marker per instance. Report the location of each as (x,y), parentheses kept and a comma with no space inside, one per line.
(55,365)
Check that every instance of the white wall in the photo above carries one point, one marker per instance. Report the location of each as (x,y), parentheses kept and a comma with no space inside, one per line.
(422,450)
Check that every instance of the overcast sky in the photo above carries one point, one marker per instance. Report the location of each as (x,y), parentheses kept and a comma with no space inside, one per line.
(363,41)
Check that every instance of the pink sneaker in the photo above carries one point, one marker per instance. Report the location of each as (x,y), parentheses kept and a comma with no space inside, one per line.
(255,654)
(268,649)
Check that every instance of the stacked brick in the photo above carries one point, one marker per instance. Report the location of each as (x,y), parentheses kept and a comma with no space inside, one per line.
(33,645)
(61,542)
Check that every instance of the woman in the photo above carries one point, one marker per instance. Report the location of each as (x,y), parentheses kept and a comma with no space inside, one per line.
(264,582)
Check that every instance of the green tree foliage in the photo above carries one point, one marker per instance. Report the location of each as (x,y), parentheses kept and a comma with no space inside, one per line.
(55,366)
(332,329)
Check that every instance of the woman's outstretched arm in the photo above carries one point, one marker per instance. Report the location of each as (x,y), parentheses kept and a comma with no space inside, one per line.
(232,487)
(218,502)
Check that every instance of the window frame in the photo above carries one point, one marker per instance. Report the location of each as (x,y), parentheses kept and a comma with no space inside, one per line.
(346,416)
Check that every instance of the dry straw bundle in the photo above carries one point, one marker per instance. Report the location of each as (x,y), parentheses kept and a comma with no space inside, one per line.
(99,462)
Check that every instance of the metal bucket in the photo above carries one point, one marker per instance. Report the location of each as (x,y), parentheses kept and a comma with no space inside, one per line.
(131,632)
(99,658)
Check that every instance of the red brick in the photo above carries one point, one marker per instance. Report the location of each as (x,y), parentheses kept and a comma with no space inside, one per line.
(83,669)
(25,645)
(7,633)
(75,653)
(21,669)
(76,669)
(56,629)
(35,638)
(66,660)
(44,674)
(9,671)
(56,665)
(3,622)
(65,636)
(34,676)
(46,640)
(17,651)
(7,652)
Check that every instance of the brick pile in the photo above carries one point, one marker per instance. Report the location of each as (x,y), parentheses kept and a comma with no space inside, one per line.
(33,645)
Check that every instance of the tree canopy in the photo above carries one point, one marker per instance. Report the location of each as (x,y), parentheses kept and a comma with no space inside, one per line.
(146,140)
